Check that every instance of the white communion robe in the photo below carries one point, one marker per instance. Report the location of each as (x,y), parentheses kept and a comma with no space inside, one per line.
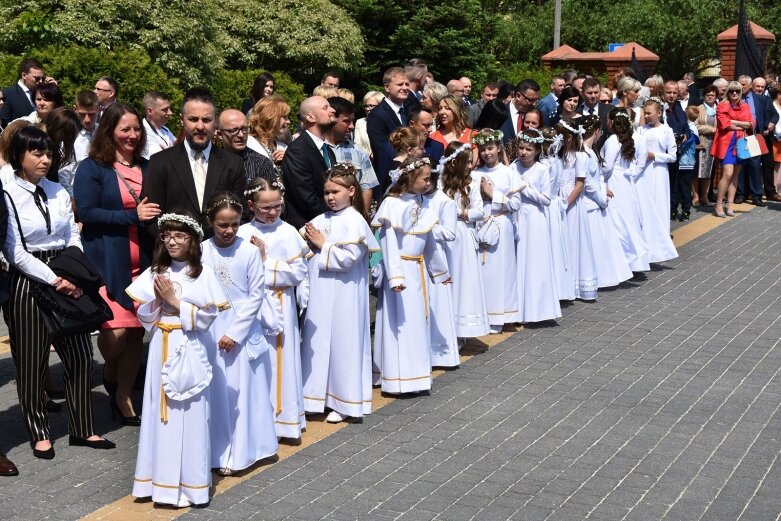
(653,189)
(559,232)
(241,422)
(538,296)
(497,260)
(442,323)
(469,303)
(336,355)
(285,268)
(173,464)
(624,208)
(402,348)
(612,266)
(581,247)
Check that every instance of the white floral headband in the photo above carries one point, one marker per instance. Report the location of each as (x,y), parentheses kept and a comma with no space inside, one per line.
(555,146)
(530,139)
(483,138)
(395,174)
(187,221)
(275,184)
(621,115)
(579,131)
(224,200)
(445,160)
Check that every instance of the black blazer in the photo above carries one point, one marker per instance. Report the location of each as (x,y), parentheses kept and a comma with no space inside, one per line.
(170,183)
(380,122)
(694,95)
(17,104)
(677,120)
(303,170)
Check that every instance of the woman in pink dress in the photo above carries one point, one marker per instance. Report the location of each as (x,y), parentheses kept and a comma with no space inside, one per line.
(107,192)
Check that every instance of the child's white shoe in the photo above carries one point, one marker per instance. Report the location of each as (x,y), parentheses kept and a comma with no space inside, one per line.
(335,417)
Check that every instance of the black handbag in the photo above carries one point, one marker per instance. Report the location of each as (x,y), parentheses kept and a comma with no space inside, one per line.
(64,315)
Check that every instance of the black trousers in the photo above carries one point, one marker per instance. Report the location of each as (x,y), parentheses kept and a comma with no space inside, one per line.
(30,350)
(680,187)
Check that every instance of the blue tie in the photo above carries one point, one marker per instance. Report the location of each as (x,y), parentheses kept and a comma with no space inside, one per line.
(326,155)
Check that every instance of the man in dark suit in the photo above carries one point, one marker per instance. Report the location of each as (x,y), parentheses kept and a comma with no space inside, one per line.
(675,118)
(765,118)
(760,87)
(306,160)
(18,97)
(391,113)
(691,87)
(489,93)
(186,175)
(421,119)
(525,97)
(7,467)
(591,105)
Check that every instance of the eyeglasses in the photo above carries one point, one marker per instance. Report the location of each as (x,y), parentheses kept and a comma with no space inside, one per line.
(270,208)
(102,90)
(530,100)
(178,238)
(235,130)
(39,79)
(734,91)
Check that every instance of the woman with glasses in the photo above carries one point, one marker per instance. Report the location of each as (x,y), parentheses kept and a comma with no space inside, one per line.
(733,118)
(40,226)
(107,190)
(706,128)
(371,100)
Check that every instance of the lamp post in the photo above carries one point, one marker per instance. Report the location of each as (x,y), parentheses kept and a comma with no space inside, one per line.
(557,25)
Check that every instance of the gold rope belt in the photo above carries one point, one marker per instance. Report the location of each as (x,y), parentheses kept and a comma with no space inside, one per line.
(419,260)
(166,329)
(280,342)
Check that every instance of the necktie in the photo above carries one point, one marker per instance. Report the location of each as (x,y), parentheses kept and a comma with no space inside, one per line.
(39,196)
(519,123)
(199,175)
(326,155)
(403,116)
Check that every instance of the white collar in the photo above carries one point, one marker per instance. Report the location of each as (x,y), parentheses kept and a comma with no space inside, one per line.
(24,87)
(191,153)
(395,107)
(318,141)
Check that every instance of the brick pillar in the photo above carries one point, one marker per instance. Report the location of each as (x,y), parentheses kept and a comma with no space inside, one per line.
(728,41)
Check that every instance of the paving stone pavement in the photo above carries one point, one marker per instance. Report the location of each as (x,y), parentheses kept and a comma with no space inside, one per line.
(659,401)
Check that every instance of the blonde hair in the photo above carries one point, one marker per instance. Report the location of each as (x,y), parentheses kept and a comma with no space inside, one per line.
(265,117)
(346,94)
(373,95)
(325,91)
(456,105)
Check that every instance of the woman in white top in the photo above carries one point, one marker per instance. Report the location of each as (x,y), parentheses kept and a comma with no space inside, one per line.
(40,225)
(371,100)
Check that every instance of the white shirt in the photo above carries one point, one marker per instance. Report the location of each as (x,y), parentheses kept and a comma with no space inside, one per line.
(81,150)
(199,190)
(396,109)
(514,116)
(64,231)
(157,139)
(26,91)
(257,146)
(319,143)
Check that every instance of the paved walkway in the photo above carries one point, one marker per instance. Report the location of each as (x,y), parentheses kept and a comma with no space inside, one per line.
(660,401)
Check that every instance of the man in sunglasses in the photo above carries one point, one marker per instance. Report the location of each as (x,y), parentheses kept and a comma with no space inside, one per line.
(525,98)
(18,98)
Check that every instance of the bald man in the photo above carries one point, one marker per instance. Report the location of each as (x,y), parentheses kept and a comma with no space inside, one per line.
(467,83)
(455,88)
(232,131)
(306,161)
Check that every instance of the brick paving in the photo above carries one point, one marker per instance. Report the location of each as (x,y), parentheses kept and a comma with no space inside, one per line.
(659,401)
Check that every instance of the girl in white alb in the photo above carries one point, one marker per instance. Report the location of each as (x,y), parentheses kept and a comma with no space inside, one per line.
(336,356)
(283,252)
(402,348)
(179,298)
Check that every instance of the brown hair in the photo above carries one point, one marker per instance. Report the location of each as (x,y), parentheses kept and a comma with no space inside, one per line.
(7,136)
(455,174)
(162,259)
(221,201)
(406,137)
(407,177)
(103,149)
(262,184)
(345,174)
(264,120)
(456,105)
(623,129)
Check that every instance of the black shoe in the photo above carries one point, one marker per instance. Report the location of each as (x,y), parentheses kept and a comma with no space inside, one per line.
(684,216)
(673,215)
(52,406)
(73,441)
(131,421)
(42,454)
(759,202)
(740,199)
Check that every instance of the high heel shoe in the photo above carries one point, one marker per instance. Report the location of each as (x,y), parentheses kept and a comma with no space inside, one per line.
(42,454)
(73,441)
(729,213)
(116,413)
(718,213)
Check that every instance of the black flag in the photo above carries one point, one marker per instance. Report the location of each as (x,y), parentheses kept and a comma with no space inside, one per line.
(749,58)
(638,70)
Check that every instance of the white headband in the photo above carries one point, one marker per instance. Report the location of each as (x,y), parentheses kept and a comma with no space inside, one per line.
(187,221)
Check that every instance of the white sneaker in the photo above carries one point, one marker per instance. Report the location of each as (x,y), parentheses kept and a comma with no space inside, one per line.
(225,471)
(335,417)
(183,503)
(495,330)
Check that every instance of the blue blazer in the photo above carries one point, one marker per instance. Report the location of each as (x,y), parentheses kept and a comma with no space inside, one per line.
(105,221)
(764,111)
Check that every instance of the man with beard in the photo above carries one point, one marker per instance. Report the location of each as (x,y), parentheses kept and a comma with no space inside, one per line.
(306,160)
(186,175)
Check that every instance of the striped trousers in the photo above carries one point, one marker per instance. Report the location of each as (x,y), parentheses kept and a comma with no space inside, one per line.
(30,350)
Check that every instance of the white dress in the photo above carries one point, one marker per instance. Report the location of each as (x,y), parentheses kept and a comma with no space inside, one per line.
(581,247)
(497,260)
(402,348)
(559,232)
(285,268)
(442,323)
(336,355)
(469,303)
(173,464)
(653,189)
(612,266)
(241,421)
(538,296)
(624,208)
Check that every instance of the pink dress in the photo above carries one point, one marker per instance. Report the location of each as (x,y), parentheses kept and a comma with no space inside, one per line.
(126,317)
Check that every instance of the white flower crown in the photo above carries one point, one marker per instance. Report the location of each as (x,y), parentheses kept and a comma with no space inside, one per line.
(187,221)
(529,139)
(445,160)
(579,131)
(224,200)
(276,184)
(395,174)
(483,138)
